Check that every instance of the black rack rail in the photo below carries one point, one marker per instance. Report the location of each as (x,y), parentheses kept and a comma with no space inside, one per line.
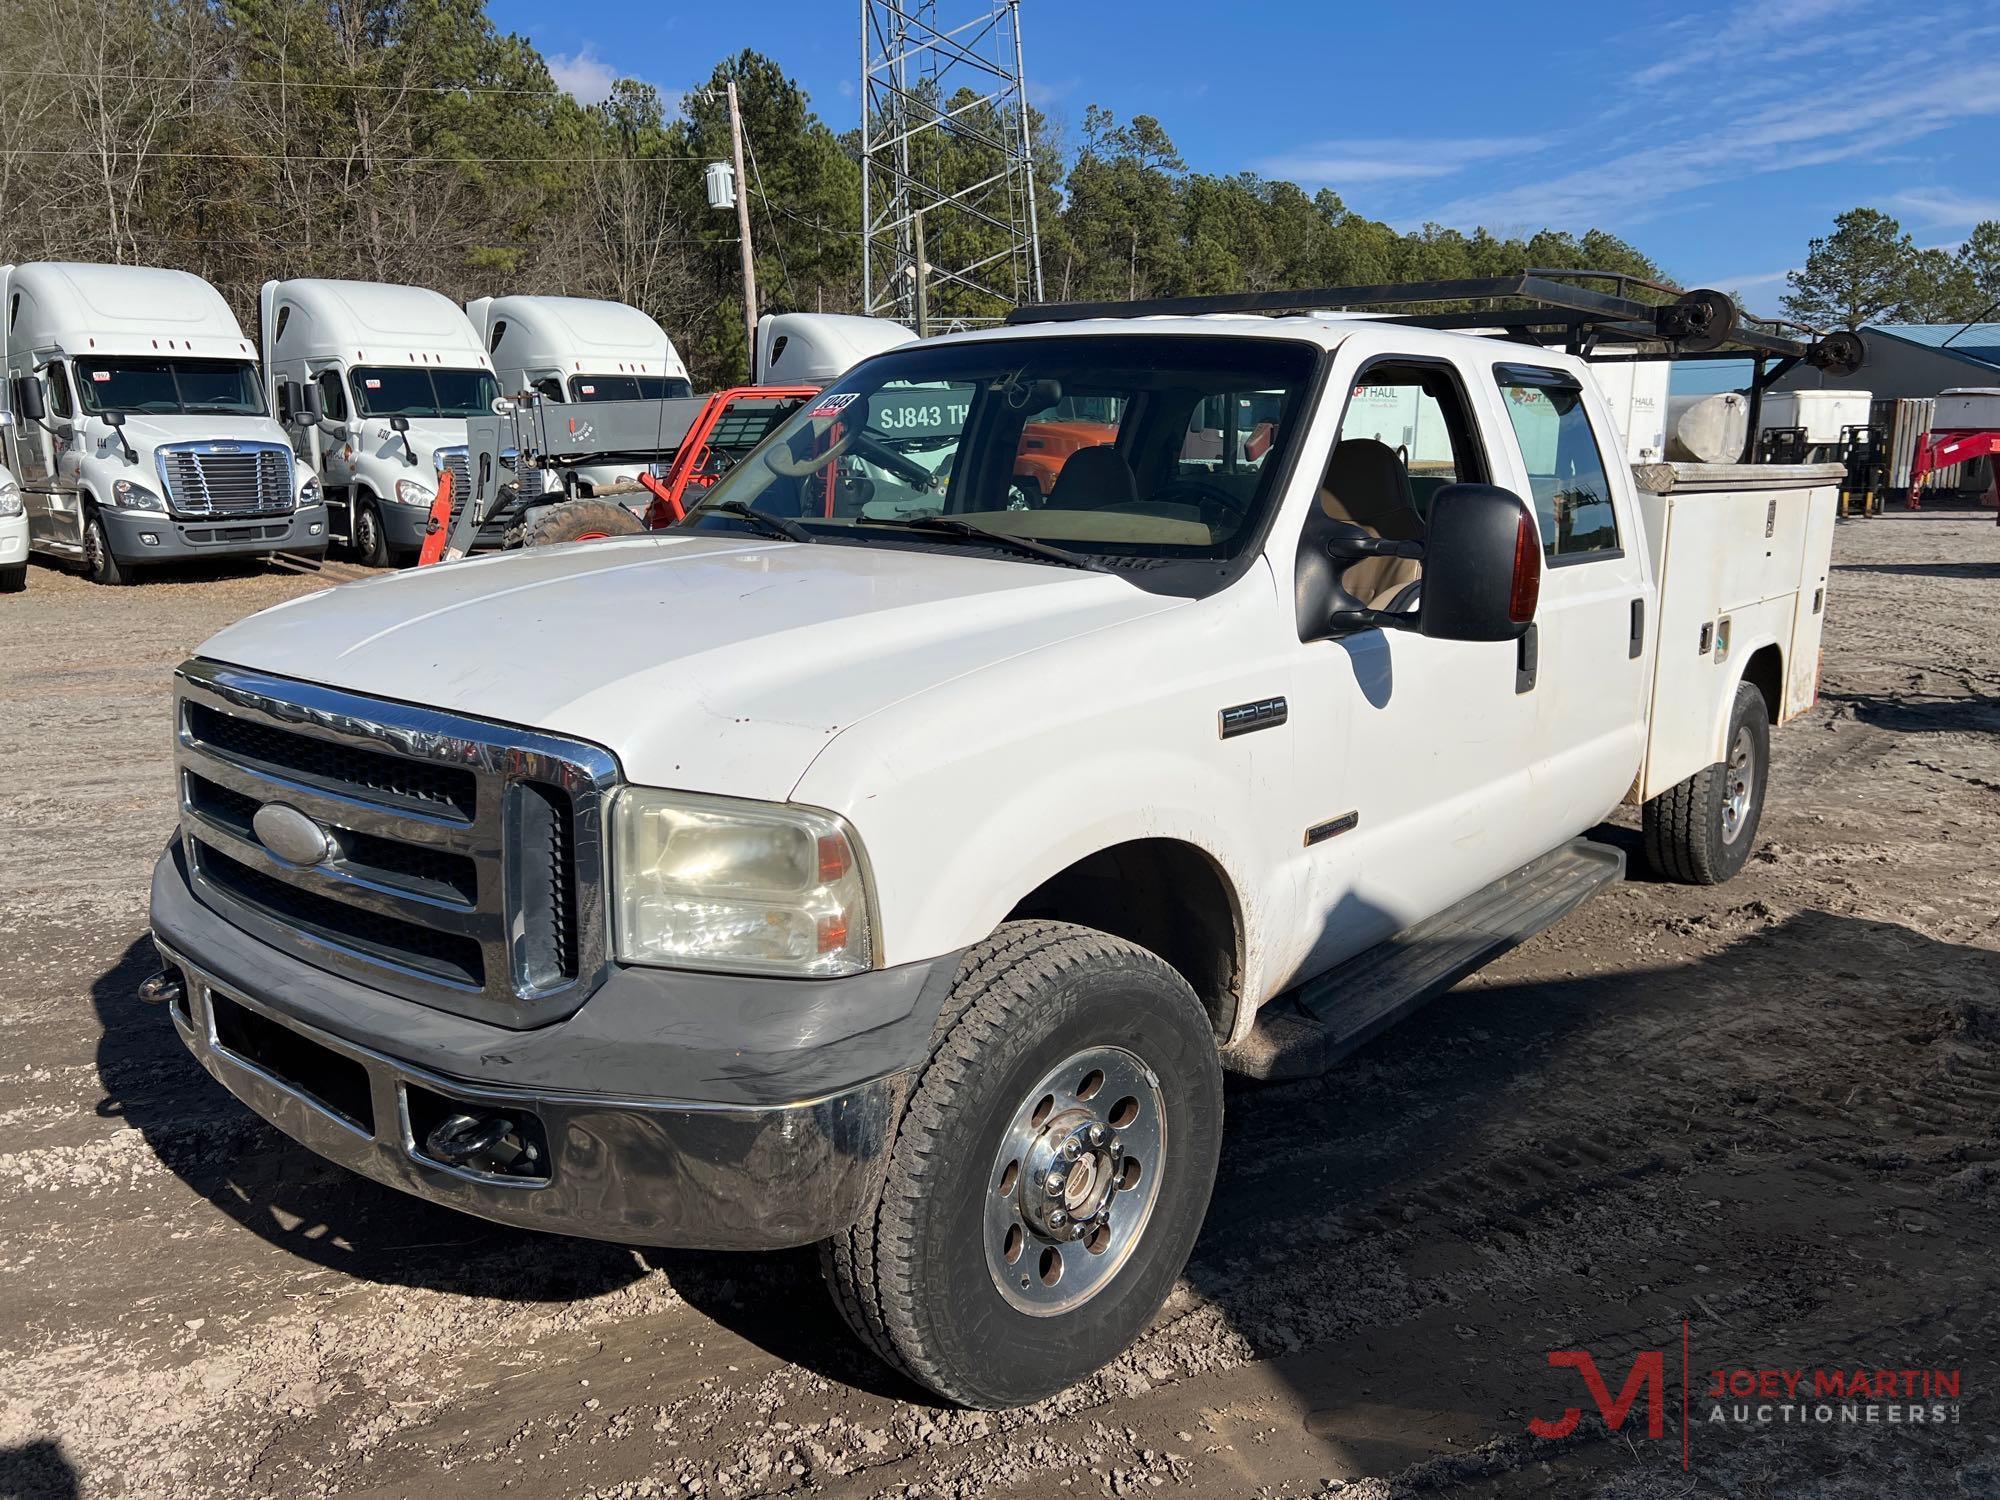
(1546,308)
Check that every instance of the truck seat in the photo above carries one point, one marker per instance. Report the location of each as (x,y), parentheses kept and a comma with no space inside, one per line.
(1367,486)
(1093,479)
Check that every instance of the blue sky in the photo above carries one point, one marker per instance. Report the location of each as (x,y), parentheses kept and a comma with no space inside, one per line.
(1719,138)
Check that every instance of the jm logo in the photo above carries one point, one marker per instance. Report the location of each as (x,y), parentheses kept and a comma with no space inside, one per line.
(1649,1372)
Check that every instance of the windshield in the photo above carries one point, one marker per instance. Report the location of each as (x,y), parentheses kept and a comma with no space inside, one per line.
(169,386)
(423,391)
(1132,446)
(630,387)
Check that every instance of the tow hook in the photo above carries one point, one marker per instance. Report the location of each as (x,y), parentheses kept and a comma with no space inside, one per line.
(164,988)
(484,1143)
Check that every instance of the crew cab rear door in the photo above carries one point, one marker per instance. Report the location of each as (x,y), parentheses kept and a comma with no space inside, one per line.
(1417,778)
(1589,655)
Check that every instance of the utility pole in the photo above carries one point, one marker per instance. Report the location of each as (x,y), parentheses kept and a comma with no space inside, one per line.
(743,233)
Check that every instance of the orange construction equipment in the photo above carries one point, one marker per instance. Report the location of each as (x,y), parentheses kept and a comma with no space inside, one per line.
(437,530)
(703,458)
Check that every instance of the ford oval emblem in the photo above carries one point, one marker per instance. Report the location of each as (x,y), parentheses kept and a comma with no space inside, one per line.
(290,834)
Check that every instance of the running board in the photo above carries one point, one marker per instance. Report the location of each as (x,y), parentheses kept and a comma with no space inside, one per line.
(1309,1029)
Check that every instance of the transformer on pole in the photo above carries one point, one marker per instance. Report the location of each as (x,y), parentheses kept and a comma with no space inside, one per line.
(949,229)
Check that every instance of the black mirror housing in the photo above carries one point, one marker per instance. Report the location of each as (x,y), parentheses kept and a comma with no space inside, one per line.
(399,423)
(308,405)
(113,418)
(1482,565)
(28,399)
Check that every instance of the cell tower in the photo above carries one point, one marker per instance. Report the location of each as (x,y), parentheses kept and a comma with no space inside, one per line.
(949,235)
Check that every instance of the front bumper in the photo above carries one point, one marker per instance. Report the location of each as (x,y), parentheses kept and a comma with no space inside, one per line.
(175,540)
(13,540)
(722,1173)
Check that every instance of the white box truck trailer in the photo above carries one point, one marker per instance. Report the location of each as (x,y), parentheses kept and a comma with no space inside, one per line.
(376,382)
(141,432)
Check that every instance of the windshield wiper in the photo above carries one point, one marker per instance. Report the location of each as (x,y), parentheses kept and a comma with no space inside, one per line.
(1025,546)
(770,525)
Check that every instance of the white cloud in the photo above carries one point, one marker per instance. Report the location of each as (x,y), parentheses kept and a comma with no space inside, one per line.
(584,74)
(1800,131)
(1341,163)
(1783,29)
(1943,208)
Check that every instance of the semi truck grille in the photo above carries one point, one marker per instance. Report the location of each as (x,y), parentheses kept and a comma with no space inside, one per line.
(451,861)
(238,479)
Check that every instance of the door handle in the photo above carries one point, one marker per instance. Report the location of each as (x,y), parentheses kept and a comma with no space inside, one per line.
(1635,644)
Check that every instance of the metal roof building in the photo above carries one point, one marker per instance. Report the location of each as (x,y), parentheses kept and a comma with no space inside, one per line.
(1915,359)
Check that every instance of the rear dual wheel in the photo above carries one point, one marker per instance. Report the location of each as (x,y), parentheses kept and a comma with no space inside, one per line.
(1701,831)
(1049,1174)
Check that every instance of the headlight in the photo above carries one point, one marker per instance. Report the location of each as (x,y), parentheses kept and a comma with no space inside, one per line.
(411,492)
(129,496)
(756,887)
(309,491)
(10,498)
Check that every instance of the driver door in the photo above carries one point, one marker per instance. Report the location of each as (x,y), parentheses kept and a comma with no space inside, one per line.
(1416,780)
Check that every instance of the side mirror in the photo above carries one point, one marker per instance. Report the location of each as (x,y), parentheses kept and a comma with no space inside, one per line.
(308,405)
(28,397)
(399,423)
(1482,565)
(112,418)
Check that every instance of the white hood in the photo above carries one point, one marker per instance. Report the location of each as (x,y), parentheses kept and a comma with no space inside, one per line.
(708,663)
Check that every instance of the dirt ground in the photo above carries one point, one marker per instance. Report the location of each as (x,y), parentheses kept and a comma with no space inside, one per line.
(1764,1114)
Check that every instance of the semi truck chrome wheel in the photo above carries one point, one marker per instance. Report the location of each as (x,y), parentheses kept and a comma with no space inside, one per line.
(1075,1180)
(1049,1173)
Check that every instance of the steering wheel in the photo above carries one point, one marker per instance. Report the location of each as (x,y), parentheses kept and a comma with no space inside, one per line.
(1209,499)
(781,461)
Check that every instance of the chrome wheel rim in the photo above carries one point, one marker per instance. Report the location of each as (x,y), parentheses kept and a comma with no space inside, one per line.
(365,534)
(1737,778)
(1075,1180)
(93,548)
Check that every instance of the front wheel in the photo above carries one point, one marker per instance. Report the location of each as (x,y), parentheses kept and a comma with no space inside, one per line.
(14,580)
(99,562)
(579,521)
(371,541)
(1700,832)
(1049,1174)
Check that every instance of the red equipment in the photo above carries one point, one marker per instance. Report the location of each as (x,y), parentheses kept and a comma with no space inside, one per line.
(437,530)
(1940,450)
(701,459)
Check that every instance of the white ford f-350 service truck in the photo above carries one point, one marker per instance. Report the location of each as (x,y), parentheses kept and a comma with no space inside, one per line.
(904,879)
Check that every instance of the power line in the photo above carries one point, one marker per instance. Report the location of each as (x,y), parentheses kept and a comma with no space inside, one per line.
(466,161)
(297,83)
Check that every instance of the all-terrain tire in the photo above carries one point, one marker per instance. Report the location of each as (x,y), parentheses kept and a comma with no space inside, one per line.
(579,521)
(13,580)
(1701,831)
(100,565)
(915,1278)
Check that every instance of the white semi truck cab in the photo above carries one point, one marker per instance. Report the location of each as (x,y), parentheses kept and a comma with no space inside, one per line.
(902,877)
(581,350)
(385,378)
(141,431)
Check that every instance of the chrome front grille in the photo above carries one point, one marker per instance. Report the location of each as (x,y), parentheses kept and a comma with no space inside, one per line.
(455,462)
(222,478)
(464,864)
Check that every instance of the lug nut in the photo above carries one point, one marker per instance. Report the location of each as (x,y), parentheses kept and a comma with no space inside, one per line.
(1071,1150)
(1076,1231)
(1097,1135)
(1056,1184)
(1058,1218)
(1114,1145)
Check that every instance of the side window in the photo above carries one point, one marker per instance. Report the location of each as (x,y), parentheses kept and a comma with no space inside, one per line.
(550,387)
(1228,434)
(332,396)
(278,333)
(58,380)
(1417,414)
(1572,492)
